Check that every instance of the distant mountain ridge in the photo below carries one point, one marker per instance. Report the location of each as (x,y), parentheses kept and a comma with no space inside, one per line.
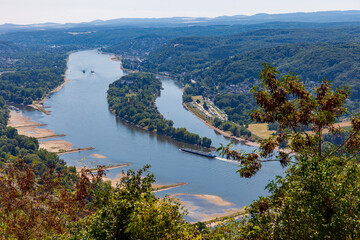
(316,17)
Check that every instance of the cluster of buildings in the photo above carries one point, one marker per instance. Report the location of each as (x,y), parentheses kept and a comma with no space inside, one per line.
(212,111)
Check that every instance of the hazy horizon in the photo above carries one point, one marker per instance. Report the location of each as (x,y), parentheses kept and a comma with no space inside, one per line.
(210,17)
(70,11)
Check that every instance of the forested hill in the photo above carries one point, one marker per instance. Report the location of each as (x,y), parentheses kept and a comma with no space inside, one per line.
(150,39)
(115,38)
(337,62)
(28,73)
(7,47)
(186,54)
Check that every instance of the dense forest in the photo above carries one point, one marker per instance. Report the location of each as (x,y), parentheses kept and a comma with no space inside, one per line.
(337,62)
(29,73)
(187,54)
(229,65)
(132,98)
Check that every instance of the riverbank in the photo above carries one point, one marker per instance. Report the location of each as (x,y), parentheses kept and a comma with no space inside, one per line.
(143,105)
(25,126)
(114,181)
(218,202)
(228,135)
(39,105)
(225,134)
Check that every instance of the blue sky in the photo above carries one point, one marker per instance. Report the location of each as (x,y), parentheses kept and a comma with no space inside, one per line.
(62,11)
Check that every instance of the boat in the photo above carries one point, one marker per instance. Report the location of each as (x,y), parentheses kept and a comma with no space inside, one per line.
(83,71)
(204,154)
(92,71)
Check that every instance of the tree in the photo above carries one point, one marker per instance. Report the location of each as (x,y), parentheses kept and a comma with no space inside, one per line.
(132,211)
(41,207)
(318,196)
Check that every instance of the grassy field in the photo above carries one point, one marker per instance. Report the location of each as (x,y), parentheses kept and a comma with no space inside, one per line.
(260,130)
(200,98)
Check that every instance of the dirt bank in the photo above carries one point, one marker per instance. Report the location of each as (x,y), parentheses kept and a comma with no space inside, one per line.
(29,128)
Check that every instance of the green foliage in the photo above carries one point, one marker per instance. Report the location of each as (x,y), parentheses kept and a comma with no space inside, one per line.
(133,98)
(132,211)
(186,98)
(236,106)
(190,54)
(30,73)
(318,197)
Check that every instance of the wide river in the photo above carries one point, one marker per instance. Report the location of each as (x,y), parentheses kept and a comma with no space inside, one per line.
(80,111)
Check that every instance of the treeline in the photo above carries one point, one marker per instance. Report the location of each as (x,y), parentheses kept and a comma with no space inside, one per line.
(28,74)
(236,106)
(236,130)
(133,98)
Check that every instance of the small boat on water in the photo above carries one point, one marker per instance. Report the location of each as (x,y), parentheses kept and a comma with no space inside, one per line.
(204,154)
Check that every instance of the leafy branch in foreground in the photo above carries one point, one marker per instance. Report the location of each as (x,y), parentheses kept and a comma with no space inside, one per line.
(318,196)
(40,207)
(286,102)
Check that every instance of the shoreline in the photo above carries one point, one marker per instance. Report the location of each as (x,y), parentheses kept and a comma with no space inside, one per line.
(39,105)
(25,126)
(160,188)
(210,219)
(228,135)
(225,134)
(30,128)
(145,129)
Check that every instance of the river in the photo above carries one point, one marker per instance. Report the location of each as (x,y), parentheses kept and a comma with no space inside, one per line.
(80,111)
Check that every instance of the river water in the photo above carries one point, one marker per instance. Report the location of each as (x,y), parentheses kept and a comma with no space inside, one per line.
(80,111)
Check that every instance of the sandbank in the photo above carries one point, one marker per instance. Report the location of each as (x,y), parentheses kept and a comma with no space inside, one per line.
(211,198)
(209,219)
(160,188)
(98,156)
(17,120)
(56,145)
(116,58)
(30,128)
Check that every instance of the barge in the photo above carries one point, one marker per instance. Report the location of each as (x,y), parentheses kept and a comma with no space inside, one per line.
(200,153)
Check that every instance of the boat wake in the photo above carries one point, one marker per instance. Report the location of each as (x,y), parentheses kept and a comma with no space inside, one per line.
(227,160)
